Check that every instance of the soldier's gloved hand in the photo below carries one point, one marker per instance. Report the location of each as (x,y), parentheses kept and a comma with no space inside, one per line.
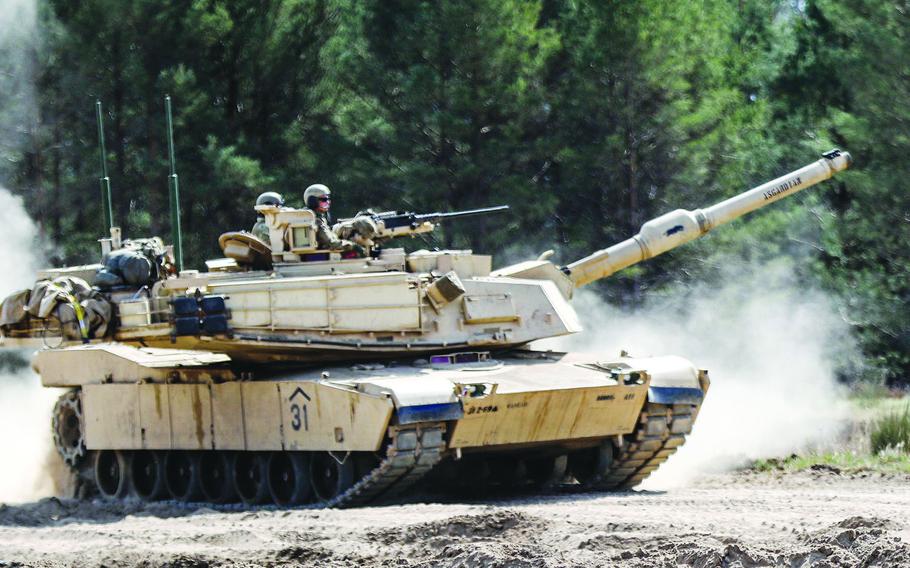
(364,226)
(343,230)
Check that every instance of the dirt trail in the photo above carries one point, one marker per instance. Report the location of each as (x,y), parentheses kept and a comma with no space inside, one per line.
(819,518)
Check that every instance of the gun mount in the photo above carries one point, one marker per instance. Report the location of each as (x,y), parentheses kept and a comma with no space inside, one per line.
(392,224)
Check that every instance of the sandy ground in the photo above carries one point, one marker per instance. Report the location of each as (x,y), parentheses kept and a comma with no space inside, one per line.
(815,518)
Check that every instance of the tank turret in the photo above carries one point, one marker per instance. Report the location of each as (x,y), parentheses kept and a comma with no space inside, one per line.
(291,300)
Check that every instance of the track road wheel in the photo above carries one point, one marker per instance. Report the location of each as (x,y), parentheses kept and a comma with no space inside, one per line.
(251,477)
(111,473)
(330,476)
(182,477)
(591,466)
(147,475)
(544,473)
(289,478)
(215,478)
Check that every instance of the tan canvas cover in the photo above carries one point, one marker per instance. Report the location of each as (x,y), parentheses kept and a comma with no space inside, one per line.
(12,311)
(55,298)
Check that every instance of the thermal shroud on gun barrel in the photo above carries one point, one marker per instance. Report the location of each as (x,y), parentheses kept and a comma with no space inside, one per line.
(679,227)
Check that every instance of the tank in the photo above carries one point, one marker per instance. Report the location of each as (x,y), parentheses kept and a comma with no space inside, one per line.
(287,374)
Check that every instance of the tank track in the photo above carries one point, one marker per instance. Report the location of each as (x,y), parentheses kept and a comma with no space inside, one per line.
(66,428)
(661,430)
(412,452)
(608,466)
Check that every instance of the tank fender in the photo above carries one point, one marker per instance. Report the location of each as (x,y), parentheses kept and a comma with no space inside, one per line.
(674,380)
(427,399)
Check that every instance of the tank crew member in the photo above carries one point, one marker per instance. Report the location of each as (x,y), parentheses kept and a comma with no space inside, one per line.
(318,198)
(260,230)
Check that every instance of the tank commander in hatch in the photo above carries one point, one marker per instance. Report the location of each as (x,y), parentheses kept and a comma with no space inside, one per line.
(260,230)
(318,198)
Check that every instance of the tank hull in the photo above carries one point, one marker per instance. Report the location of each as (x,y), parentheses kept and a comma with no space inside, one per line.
(524,419)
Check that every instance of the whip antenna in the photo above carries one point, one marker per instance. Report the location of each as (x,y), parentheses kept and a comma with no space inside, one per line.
(105,181)
(175,190)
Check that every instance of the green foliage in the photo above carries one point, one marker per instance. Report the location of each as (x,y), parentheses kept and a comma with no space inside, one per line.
(879,441)
(846,461)
(448,97)
(845,85)
(588,118)
(892,432)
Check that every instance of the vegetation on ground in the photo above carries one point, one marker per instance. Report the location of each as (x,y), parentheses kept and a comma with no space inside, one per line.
(879,442)
(843,461)
(891,432)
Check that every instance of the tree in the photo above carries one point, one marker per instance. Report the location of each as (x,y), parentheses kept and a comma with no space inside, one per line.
(849,82)
(652,112)
(447,98)
(245,78)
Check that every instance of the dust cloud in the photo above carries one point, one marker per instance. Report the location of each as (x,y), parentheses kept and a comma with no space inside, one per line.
(771,347)
(25,407)
(18,53)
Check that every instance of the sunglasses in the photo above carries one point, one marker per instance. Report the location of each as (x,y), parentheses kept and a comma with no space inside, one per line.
(325,199)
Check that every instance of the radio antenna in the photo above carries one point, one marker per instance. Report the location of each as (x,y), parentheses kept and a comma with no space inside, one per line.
(105,181)
(175,190)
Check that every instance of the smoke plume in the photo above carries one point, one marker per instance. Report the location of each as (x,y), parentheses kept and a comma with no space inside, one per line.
(18,44)
(25,407)
(771,347)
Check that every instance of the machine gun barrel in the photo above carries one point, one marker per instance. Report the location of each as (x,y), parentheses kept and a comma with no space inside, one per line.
(393,219)
(679,227)
(436,217)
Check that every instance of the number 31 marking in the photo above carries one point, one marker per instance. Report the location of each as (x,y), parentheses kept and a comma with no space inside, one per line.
(299,417)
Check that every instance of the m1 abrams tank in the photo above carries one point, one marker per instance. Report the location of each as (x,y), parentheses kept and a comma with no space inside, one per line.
(291,375)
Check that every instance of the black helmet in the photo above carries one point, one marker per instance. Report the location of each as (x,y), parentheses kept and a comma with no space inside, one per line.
(270,198)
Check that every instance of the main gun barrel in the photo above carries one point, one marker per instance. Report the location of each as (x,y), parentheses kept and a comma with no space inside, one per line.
(679,227)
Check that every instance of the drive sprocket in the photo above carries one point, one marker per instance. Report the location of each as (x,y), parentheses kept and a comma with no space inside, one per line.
(68,428)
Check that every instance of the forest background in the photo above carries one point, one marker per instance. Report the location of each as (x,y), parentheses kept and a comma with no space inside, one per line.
(587,118)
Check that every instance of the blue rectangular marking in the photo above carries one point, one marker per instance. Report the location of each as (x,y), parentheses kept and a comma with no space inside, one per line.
(675,395)
(430,412)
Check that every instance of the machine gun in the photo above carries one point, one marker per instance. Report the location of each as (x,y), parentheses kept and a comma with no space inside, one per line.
(370,227)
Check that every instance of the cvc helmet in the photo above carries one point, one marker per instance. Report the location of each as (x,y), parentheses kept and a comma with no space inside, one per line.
(270,198)
(314,194)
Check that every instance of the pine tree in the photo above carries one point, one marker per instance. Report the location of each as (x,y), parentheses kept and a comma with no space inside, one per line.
(448,99)
(848,82)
